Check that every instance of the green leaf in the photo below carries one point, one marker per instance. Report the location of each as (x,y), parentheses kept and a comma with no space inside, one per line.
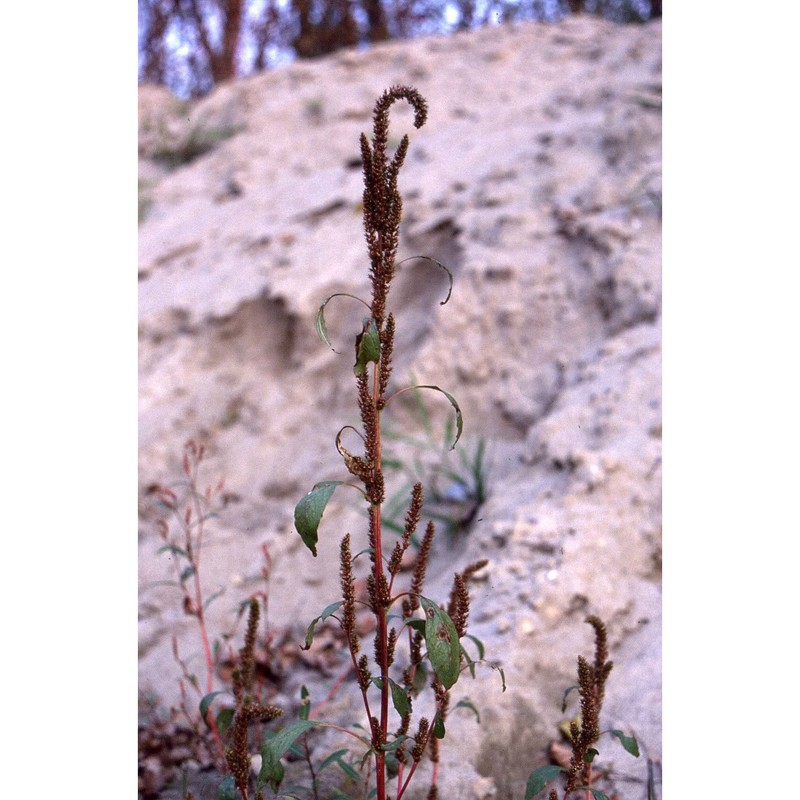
(174,549)
(324,615)
(438,725)
(227,789)
(308,512)
(348,770)
(369,550)
(366,757)
(305,703)
(399,699)
(332,759)
(628,742)
(591,753)
(416,624)
(441,639)
(321,328)
(598,795)
(566,695)
(470,662)
(539,778)
(272,750)
(224,719)
(319,320)
(186,574)
(468,704)
(368,347)
(394,744)
(454,403)
(271,773)
(438,264)
(205,704)
(479,645)
(213,597)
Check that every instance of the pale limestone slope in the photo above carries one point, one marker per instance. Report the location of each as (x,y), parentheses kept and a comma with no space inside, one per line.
(537,180)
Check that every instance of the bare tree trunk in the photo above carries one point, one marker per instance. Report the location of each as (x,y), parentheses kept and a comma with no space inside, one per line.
(336,29)
(378,30)
(222,61)
(155,66)
(232,14)
(265,32)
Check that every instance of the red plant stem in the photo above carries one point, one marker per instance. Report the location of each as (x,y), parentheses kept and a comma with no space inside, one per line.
(402,790)
(380,755)
(201,618)
(414,766)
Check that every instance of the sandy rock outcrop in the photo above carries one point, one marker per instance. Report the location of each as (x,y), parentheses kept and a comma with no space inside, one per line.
(537,180)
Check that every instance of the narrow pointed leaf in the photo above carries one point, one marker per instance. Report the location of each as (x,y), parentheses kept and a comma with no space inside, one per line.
(205,704)
(566,695)
(441,639)
(395,743)
(213,597)
(468,704)
(438,725)
(309,511)
(438,264)
(172,548)
(368,347)
(628,742)
(324,615)
(539,778)
(479,645)
(305,703)
(454,403)
(186,574)
(470,662)
(332,759)
(319,320)
(321,328)
(348,770)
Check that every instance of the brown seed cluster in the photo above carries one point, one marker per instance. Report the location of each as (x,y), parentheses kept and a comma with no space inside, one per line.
(591,684)
(458,607)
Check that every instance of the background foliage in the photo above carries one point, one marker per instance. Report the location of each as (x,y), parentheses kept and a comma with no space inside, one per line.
(192,45)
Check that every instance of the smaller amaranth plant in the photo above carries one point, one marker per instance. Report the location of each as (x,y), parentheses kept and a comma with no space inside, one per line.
(227,731)
(583,736)
(248,711)
(191,508)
